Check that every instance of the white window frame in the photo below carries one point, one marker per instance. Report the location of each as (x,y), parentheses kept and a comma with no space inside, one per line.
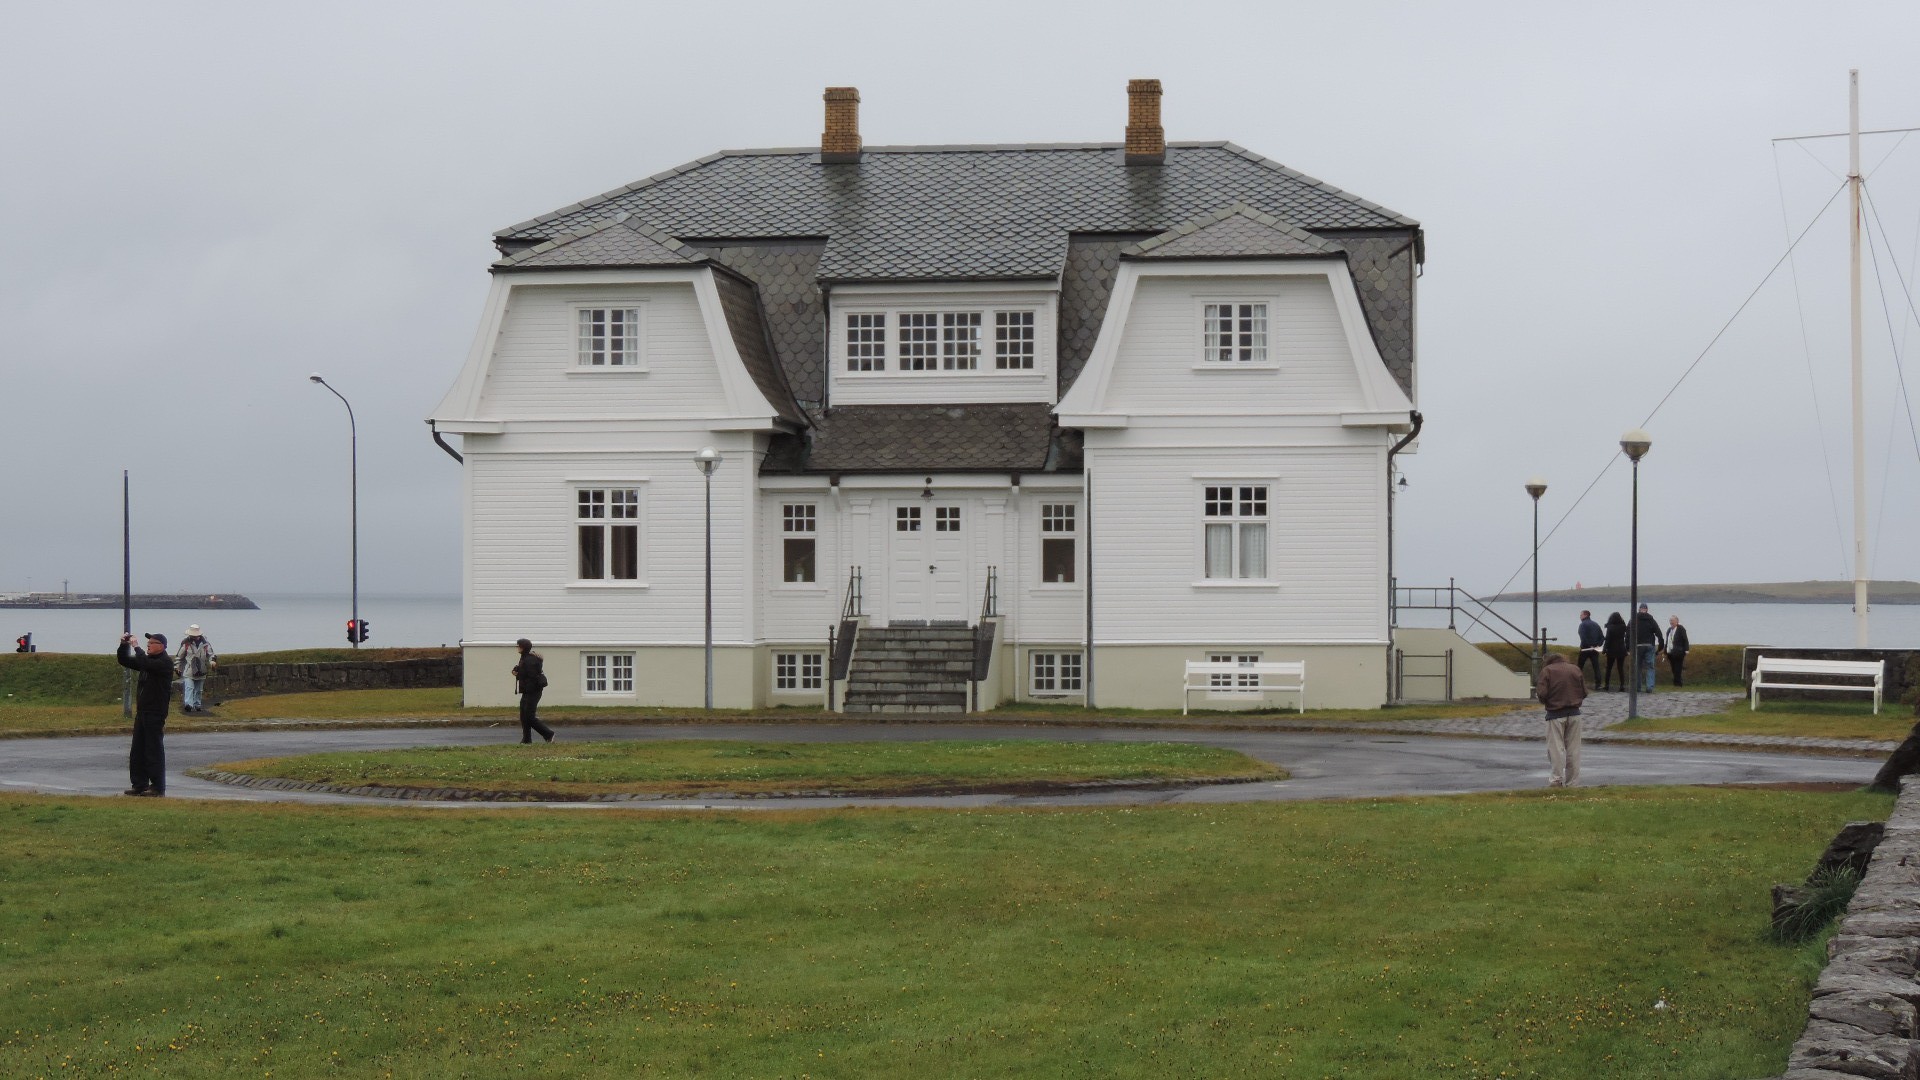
(804,671)
(799,520)
(1221,684)
(1065,672)
(1257,352)
(944,339)
(633,359)
(1049,530)
(613,671)
(1243,496)
(637,518)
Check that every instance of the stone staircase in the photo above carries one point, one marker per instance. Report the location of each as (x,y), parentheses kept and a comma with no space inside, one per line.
(911,669)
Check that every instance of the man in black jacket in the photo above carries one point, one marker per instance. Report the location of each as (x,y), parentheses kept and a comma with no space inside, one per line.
(147,761)
(1649,645)
(530,680)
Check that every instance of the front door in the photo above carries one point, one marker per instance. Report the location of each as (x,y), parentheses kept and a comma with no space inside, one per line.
(928,553)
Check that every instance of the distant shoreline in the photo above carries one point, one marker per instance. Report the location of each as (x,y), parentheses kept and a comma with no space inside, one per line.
(144,601)
(1784,592)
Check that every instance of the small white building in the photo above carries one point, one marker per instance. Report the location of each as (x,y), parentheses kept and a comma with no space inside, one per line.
(1002,422)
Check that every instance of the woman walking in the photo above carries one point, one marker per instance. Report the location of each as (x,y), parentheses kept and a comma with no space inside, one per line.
(1616,651)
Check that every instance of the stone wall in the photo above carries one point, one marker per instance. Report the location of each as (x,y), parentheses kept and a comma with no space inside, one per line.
(250,680)
(1863,1020)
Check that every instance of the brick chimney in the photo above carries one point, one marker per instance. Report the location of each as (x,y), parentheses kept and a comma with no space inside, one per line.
(1146,142)
(840,143)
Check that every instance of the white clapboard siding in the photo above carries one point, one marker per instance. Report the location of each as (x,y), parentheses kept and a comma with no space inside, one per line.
(1159,368)
(1046,611)
(522,549)
(1325,555)
(795,611)
(535,373)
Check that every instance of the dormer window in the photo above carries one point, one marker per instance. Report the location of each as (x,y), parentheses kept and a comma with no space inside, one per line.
(1234,333)
(609,337)
(940,341)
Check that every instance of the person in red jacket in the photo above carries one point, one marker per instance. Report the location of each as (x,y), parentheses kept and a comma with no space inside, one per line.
(1561,689)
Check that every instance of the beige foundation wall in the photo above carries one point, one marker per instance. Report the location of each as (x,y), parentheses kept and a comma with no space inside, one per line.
(662,675)
(1150,676)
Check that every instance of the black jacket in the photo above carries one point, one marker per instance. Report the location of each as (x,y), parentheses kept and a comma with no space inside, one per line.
(155,692)
(1616,636)
(528,674)
(1649,631)
(1677,641)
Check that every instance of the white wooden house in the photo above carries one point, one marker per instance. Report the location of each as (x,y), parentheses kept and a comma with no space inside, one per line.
(1006,422)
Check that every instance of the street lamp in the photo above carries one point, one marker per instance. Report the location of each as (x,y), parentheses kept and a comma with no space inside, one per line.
(707,460)
(353,442)
(1634,444)
(1536,487)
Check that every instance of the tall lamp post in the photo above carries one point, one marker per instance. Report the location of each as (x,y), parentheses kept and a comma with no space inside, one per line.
(707,460)
(1536,487)
(1634,444)
(353,443)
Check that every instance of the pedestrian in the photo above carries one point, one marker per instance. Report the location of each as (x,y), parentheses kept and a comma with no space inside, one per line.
(1677,646)
(1648,645)
(1561,690)
(1592,638)
(193,665)
(529,681)
(147,761)
(1616,650)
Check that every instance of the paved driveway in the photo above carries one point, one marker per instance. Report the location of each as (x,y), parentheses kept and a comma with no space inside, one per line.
(1323,765)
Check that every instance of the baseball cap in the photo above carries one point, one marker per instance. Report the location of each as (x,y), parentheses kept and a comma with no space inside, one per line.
(161,638)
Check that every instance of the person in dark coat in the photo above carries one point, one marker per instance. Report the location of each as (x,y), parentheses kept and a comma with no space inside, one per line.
(1651,643)
(147,761)
(1592,639)
(1616,650)
(529,681)
(1677,646)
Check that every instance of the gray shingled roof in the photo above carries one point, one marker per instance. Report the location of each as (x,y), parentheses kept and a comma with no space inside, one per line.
(958,213)
(617,242)
(923,438)
(1234,232)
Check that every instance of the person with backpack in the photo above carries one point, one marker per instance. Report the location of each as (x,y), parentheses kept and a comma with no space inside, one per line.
(530,681)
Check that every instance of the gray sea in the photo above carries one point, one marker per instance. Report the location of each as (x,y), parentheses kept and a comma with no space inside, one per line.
(1808,626)
(284,621)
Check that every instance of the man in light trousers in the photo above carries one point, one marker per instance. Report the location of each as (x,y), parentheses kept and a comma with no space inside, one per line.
(1561,690)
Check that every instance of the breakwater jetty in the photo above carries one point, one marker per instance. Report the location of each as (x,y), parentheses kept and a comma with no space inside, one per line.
(145,601)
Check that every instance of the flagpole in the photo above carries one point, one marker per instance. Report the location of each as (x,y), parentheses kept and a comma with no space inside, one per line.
(126,589)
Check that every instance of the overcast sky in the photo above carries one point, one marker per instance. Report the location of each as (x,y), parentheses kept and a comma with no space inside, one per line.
(206,202)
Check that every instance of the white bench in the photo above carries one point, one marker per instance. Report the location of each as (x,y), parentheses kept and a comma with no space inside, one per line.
(1779,665)
(1276,676)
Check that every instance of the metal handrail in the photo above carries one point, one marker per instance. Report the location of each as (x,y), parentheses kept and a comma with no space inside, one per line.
(990,601)
(1478,614)
(851,609)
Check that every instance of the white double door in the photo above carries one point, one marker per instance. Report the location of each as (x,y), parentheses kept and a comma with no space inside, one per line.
(930,561)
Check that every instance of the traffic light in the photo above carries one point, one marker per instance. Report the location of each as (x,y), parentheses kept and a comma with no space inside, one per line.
(23,643)
(365,627)
(353,631)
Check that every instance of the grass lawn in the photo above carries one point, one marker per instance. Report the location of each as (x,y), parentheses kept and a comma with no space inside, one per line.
(1815,719)
(1484,936)
(687,767)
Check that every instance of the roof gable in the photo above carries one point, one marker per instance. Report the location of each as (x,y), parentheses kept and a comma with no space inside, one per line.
(616,243)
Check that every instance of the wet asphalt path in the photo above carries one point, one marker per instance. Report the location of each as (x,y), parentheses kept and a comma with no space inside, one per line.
(1323,765)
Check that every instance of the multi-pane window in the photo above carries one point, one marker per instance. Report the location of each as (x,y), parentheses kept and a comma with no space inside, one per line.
(609,337)
(867,342)
(1236,531)
(1229,682)
(1013,340)
(798,670)
(607,521)
(1235,333)
(960,341)
(1059,528)
(798,525)
(919,340)
(946,519)
(608,673)
(906,519)
(1056,673)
